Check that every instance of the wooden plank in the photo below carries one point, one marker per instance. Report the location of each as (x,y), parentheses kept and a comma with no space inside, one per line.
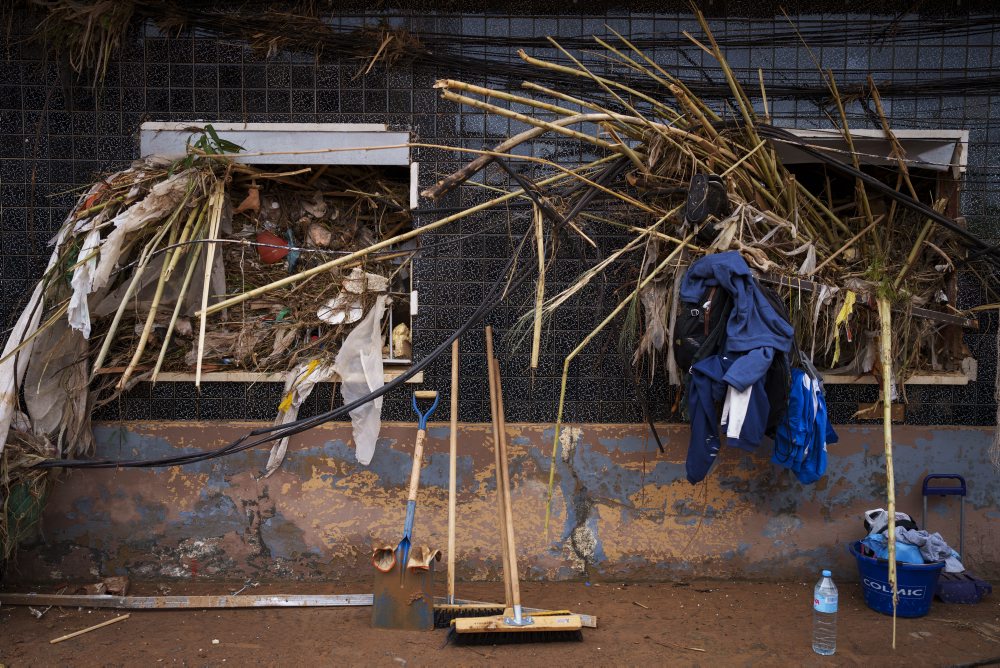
(540,623)
(590,621)
(943,378)
(189,602)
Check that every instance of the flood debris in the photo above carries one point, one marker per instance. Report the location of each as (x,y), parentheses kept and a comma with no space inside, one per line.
(147,249)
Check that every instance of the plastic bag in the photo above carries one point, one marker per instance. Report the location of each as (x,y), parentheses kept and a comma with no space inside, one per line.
(359,365)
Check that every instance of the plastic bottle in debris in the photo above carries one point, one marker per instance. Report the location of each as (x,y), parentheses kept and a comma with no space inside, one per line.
(825,615)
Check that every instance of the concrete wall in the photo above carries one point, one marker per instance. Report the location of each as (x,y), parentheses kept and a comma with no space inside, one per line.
(621,509)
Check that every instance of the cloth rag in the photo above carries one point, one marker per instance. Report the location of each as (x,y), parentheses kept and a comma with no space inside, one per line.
(932,548)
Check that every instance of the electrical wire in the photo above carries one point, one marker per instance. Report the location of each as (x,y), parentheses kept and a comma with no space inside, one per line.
(499,291)
(990,252)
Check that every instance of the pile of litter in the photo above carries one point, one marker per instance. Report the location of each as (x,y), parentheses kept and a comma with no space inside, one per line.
(147,249)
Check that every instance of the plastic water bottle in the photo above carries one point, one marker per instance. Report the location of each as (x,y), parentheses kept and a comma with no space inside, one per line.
(825,616)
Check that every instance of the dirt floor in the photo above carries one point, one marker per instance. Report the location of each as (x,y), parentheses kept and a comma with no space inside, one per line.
(704,623)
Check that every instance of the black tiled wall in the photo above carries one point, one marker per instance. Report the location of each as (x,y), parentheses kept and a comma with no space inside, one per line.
(57,133)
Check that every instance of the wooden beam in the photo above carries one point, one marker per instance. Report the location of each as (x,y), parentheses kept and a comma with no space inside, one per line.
(188,602)
(943,378)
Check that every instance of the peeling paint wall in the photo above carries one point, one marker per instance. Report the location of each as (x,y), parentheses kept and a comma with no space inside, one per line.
(621,510)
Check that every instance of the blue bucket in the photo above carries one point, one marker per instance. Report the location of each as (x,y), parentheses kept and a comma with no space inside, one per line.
(916,584)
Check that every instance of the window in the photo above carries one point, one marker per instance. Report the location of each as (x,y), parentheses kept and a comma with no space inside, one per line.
(936,160)
(322,153)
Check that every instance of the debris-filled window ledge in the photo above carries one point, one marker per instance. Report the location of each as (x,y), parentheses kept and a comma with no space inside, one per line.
(243,257)
(954,378)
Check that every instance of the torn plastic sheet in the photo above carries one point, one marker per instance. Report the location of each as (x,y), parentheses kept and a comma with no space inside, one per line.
(78,314)
(13,367)
(55,389)
(298,387)
(359,365)
(162,199)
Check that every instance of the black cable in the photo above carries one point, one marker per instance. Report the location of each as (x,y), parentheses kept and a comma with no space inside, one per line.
(277,432)
(771,132)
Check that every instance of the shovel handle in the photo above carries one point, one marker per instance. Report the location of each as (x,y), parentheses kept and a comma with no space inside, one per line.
(418,453)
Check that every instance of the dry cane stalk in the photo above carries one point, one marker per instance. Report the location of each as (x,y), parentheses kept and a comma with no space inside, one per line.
(528,85)
(635,112)
(452,84)
(347,259)
(527,120)
(168,264)
(536,338)
(215,216)
(847,244)
(667,76)
(862,192)
(886,349)
(911,257)
(453,180)
(763,162)
(144,258)
(181,294)
(667,111)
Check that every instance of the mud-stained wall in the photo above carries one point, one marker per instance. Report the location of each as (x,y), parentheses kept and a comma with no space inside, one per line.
(620,509)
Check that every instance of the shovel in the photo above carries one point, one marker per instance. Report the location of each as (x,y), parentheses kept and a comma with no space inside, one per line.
(403,549)
(404,601)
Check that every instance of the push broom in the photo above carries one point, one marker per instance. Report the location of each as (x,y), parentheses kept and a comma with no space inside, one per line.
(445,612)
(513,626)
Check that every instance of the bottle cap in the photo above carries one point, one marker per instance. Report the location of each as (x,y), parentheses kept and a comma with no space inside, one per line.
(827,574)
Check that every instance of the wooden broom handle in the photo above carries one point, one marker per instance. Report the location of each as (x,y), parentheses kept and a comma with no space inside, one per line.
(418,453)
(452,471)
(515,585)
(495,422)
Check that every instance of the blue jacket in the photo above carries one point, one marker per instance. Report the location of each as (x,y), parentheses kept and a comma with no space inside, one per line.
(753,331)
(753,322)
(802,436)
(707,387)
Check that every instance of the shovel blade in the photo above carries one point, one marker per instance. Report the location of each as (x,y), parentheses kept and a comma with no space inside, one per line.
(404,598)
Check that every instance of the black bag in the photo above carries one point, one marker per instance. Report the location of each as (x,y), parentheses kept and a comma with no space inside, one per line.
(700,327)
(706,197)
(778,381)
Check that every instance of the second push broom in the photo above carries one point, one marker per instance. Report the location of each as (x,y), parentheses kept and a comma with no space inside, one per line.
(445,612)
(514,626)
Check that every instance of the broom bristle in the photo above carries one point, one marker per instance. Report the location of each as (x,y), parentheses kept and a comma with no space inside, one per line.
(495,630)
(514,637)
(445,613)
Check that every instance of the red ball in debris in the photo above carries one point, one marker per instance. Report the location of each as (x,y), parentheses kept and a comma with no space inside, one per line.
(269,255)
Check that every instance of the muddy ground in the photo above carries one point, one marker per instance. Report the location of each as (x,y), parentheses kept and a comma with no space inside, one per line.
(704,623)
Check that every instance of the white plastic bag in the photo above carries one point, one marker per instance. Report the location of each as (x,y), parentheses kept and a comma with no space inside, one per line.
(359,365)
(300,384)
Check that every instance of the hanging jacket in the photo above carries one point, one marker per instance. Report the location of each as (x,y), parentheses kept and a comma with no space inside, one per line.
(754,331)
(745,412)
(753,322)
(801,438)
